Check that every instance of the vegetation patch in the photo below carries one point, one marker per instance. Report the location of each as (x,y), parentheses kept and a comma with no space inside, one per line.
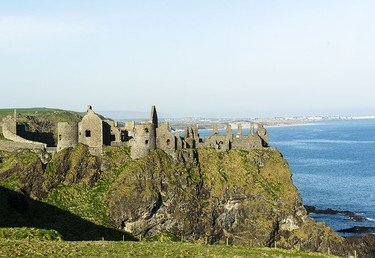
(12,248)
(29,233)
(163,237)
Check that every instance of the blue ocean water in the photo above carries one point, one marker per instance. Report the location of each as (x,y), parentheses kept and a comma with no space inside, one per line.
(333,166)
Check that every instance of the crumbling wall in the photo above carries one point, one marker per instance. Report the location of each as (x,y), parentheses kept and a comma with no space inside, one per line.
(10,124)
(246,142)
(115,131)
(144,140)
(165,140)
(91,132)
(67,135)
(262,132)
(13,146)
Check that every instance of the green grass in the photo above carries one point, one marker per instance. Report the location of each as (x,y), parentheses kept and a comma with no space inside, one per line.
(88,201)
(28,233)
(24,248)
(42,120)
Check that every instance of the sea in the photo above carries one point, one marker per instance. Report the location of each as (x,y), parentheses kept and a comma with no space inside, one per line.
(333,167)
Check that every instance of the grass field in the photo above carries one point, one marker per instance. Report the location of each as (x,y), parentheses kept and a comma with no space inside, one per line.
(24,248)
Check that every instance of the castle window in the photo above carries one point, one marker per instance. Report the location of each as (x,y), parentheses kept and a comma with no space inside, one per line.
(146,141)
(146,130)
(168,141)
(88,133)
(59,137)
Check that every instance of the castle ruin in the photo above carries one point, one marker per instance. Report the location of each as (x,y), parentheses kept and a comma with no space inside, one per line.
(96,132)
(8,128)
(148,135)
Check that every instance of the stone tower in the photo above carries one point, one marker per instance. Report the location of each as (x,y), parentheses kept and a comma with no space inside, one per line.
(144,140)
(91,131)
(165,140)
(67,135)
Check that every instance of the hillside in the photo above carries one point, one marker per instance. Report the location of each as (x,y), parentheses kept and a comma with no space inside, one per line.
(40,124)
(234,197)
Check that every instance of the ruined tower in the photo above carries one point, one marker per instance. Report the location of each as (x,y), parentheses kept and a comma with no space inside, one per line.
(91,131)
(165,140)
(144,140)
(67,135)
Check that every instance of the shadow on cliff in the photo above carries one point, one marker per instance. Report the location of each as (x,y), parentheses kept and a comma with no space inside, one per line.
(17,210)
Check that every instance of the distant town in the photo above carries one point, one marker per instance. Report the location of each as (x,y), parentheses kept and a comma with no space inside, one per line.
(206,123)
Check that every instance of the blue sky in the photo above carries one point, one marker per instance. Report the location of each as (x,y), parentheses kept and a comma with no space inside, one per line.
(190,58)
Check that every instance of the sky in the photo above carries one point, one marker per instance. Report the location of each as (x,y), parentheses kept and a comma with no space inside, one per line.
(190,58)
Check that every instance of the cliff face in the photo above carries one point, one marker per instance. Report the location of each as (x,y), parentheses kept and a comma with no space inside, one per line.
(235,196)
(242,197)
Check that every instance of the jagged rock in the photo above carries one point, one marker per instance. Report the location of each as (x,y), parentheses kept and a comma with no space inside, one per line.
(358,230)
(357,218)
(329,211)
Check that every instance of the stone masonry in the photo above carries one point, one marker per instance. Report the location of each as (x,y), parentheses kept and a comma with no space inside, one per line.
(96,132)
(148,135)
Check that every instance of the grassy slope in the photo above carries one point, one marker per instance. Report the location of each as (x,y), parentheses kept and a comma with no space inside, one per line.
(138,249)
(81,198)
(75,208)
(42,120)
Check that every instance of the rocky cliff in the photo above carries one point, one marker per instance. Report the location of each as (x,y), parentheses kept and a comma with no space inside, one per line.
(234,197)
(241,197)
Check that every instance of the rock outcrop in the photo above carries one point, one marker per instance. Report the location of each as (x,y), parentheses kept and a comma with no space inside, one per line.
(236,197)
(245,198)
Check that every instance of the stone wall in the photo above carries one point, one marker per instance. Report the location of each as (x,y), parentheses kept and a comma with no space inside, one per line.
(144,140)
(9,124)
(13,146)
(67,135)
(247,142)
(262,132)
(91,132)
(115,131)
(165,140)
(217,141)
